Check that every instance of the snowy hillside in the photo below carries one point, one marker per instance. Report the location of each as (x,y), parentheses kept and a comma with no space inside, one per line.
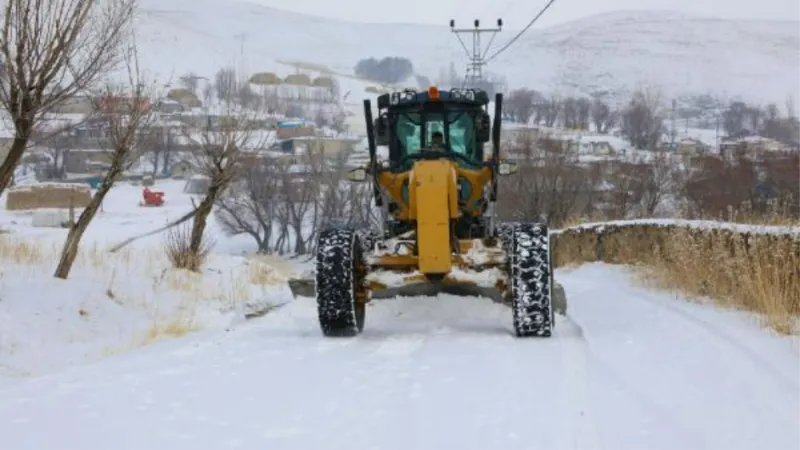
(682,54)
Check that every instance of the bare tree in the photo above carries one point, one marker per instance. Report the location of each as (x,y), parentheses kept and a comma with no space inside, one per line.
(191,82)
(569,113)
(294,197)
(343,201)
(51,50)
(735,117)
(625,194)
(551,185)
(247,96)
(603,117)
(208,93)
(225,84)
(659,180)
(583,107)
(127,111)
(219,154)
(717,185)
(300,190)
(57,144)
(551,109)
(520,104)
(249,205)
(642,123)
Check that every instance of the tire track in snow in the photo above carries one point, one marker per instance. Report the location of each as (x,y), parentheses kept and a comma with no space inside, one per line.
(578,359)
(688,432)
(577,412)
(721,336)
(400,346)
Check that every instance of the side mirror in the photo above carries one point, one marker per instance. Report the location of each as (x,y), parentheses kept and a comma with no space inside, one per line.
(484,128)
(358,175)
(507,168)
(381,126)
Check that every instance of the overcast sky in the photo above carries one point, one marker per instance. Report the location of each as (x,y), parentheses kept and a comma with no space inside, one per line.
(517,13)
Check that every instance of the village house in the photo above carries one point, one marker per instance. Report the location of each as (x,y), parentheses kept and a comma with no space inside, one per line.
(691,147)
(756,147)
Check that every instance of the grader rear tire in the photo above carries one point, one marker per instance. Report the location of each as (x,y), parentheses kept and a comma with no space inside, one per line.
(338,281)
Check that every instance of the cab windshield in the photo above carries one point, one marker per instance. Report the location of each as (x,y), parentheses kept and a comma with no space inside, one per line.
(460,136)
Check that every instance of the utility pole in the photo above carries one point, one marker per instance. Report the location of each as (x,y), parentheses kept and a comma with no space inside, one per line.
(241,37)
(477,56)
(673,131)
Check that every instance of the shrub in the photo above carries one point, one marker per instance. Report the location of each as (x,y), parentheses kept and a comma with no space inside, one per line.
(178,249)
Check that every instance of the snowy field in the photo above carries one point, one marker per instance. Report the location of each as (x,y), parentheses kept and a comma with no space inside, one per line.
(116,302)
(630,369)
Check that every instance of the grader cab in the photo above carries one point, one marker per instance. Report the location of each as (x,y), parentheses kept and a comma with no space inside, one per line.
(437,193)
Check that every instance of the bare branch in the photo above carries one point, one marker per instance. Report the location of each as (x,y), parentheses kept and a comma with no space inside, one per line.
(53,49)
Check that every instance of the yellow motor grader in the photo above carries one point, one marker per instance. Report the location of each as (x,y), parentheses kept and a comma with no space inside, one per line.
(437,191)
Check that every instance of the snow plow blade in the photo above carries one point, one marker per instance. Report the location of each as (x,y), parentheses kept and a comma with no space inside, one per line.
(305,287)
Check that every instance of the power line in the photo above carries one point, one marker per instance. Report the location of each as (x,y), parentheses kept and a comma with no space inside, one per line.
(514,39)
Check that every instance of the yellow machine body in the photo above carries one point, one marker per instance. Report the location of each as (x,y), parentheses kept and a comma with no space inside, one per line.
(434,260)
(433,203)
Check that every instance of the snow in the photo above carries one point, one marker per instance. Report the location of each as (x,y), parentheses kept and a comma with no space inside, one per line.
(391,278)
(117,302)
(480,254)
(49,217)
(628,369)
(486,278)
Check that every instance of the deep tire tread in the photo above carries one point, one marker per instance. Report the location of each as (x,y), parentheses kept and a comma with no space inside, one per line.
(531,280)
(339,313)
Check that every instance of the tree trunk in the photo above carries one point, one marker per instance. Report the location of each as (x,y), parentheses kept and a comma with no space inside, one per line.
(71,245)
(11,162)
(23,127)
(201,218)
(299,242)
(156,161)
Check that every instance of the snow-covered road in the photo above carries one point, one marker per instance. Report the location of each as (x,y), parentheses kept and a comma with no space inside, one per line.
(629,369)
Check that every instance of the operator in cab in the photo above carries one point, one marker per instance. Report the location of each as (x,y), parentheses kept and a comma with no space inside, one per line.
(437,141)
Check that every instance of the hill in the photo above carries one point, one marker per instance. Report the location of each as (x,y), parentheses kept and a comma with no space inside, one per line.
(682,54)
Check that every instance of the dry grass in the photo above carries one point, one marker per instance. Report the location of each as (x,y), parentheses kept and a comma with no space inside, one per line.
(774,215)
(177,324)
(24,252)
(752,271)
(177,245)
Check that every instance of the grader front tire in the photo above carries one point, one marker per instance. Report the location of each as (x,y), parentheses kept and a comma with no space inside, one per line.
(531,280)
(338,281)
